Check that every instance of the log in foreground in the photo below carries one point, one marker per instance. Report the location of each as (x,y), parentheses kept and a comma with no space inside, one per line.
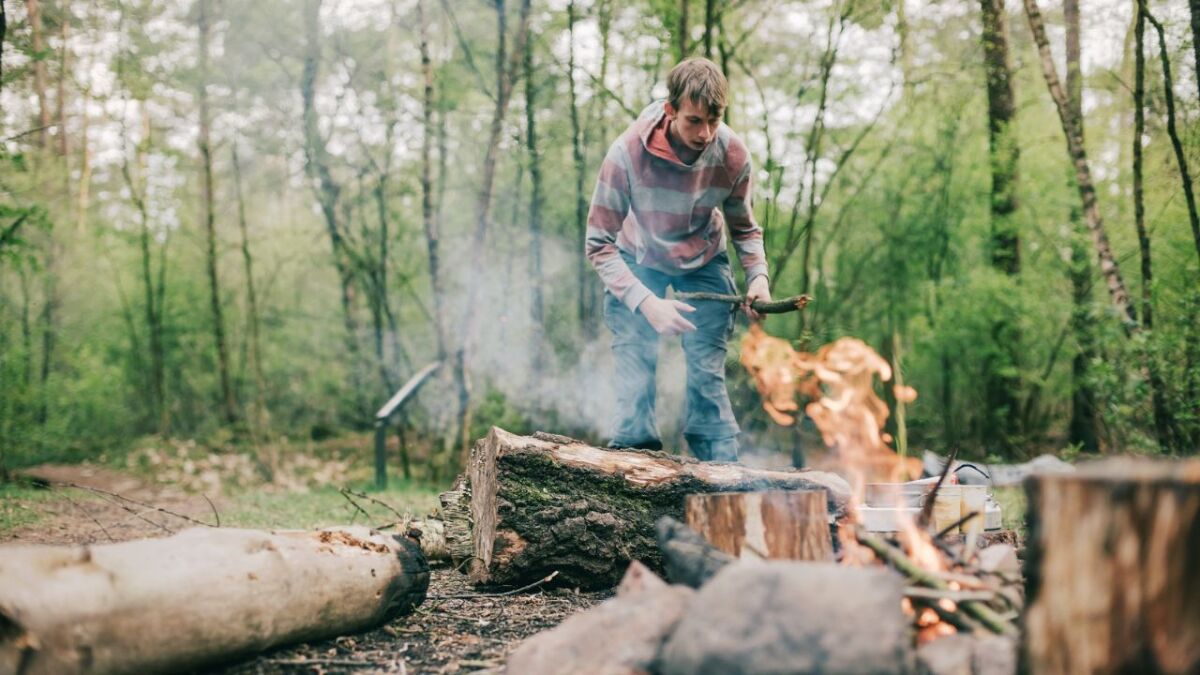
(1111,569)
(198,598)
(549,503)
(778,524)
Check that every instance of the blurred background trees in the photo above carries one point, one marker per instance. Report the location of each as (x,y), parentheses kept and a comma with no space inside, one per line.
(243,221)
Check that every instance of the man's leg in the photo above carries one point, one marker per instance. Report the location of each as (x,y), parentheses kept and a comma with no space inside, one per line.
(635,356)
(710,427)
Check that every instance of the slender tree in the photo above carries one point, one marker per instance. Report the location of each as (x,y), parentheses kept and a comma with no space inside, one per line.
(537,308)
(429,221)
(34,10)
(1072,129)
(252,310)
(1002,381)
(1185,174)
(60,118)
(1163,422)
(505,75)
(1081,429)
(1194,5)
(228,402)
(681,31)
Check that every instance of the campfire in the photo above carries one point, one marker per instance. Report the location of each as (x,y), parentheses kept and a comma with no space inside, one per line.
(951,587)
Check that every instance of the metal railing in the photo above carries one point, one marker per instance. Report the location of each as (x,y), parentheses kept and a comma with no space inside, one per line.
(385,414)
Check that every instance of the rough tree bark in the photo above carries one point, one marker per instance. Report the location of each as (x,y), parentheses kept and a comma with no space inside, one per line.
(197,598)
(1001,380)
(228,402)
(1073,130)
(784,524)
(1110,569)
(549,503)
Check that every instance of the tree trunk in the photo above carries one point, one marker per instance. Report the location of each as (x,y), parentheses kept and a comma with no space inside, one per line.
(428,219)
(1110,569)
(1001,379)
(549,503)
(483,209)
(34,9)
(791,525)
(1073,130)
(537,309)
(681,32)
(228,402)
(710,12)
(581,270)
(3,31)
(316,166)
(252,313)
(60,103)
(1194,5)
(1185,174)
(1082,426)
(198,598)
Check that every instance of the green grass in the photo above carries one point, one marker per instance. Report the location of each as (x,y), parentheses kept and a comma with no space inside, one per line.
(326,507)
(19,505)
(1012,507)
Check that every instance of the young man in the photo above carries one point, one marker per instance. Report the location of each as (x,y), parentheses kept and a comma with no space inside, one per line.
(654,223)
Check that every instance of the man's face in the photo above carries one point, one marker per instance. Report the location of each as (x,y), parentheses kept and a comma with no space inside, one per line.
(694,124)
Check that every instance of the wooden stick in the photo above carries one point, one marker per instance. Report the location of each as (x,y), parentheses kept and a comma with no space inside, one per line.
(896,558)
(956,596)
(792,304)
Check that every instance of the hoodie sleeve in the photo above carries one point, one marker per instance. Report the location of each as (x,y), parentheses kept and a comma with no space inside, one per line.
(610,205)
(746,234)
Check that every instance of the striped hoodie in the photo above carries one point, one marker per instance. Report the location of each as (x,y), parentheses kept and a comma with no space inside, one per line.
(663,213)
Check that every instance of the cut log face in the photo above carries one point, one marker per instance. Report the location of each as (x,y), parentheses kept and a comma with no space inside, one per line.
(781,524)
(198,598)
(542,504)
(1113,569)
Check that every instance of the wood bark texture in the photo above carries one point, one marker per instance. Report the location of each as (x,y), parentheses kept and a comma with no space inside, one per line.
(780,524)
(197,598)
(548,503)
(1110,569)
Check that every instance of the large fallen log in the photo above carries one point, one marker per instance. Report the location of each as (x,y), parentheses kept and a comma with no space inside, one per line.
(1111,568)
(549,503)
(197,598)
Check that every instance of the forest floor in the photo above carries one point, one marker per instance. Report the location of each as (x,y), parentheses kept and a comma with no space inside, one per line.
(456,630)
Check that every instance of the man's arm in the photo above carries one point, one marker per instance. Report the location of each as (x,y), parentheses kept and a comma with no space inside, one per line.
(610,205)
(747,239)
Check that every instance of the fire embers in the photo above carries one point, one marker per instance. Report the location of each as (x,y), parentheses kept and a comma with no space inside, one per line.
(838,382)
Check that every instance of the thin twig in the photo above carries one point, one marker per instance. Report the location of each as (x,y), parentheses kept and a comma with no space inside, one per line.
(212,506)
(402,516)
(358,509)
(136,514)
(956,596)
(470,596)
(139,503)
(90,517)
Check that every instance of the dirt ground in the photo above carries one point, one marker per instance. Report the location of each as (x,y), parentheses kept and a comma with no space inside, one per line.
(456,630)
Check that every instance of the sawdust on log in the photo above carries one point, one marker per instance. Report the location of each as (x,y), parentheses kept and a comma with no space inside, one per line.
(346,539)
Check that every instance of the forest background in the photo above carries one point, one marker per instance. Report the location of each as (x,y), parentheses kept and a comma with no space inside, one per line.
(248,223)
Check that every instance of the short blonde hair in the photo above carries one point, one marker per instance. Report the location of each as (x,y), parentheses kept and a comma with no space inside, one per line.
(700,81)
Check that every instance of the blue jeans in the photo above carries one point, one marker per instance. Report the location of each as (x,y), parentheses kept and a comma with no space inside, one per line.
(709,427)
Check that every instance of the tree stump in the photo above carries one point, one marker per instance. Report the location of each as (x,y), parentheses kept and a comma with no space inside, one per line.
(781,524)
(547,503)
(197,598)
(1113,569)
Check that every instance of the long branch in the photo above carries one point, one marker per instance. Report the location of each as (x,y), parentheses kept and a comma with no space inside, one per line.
(792,304)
